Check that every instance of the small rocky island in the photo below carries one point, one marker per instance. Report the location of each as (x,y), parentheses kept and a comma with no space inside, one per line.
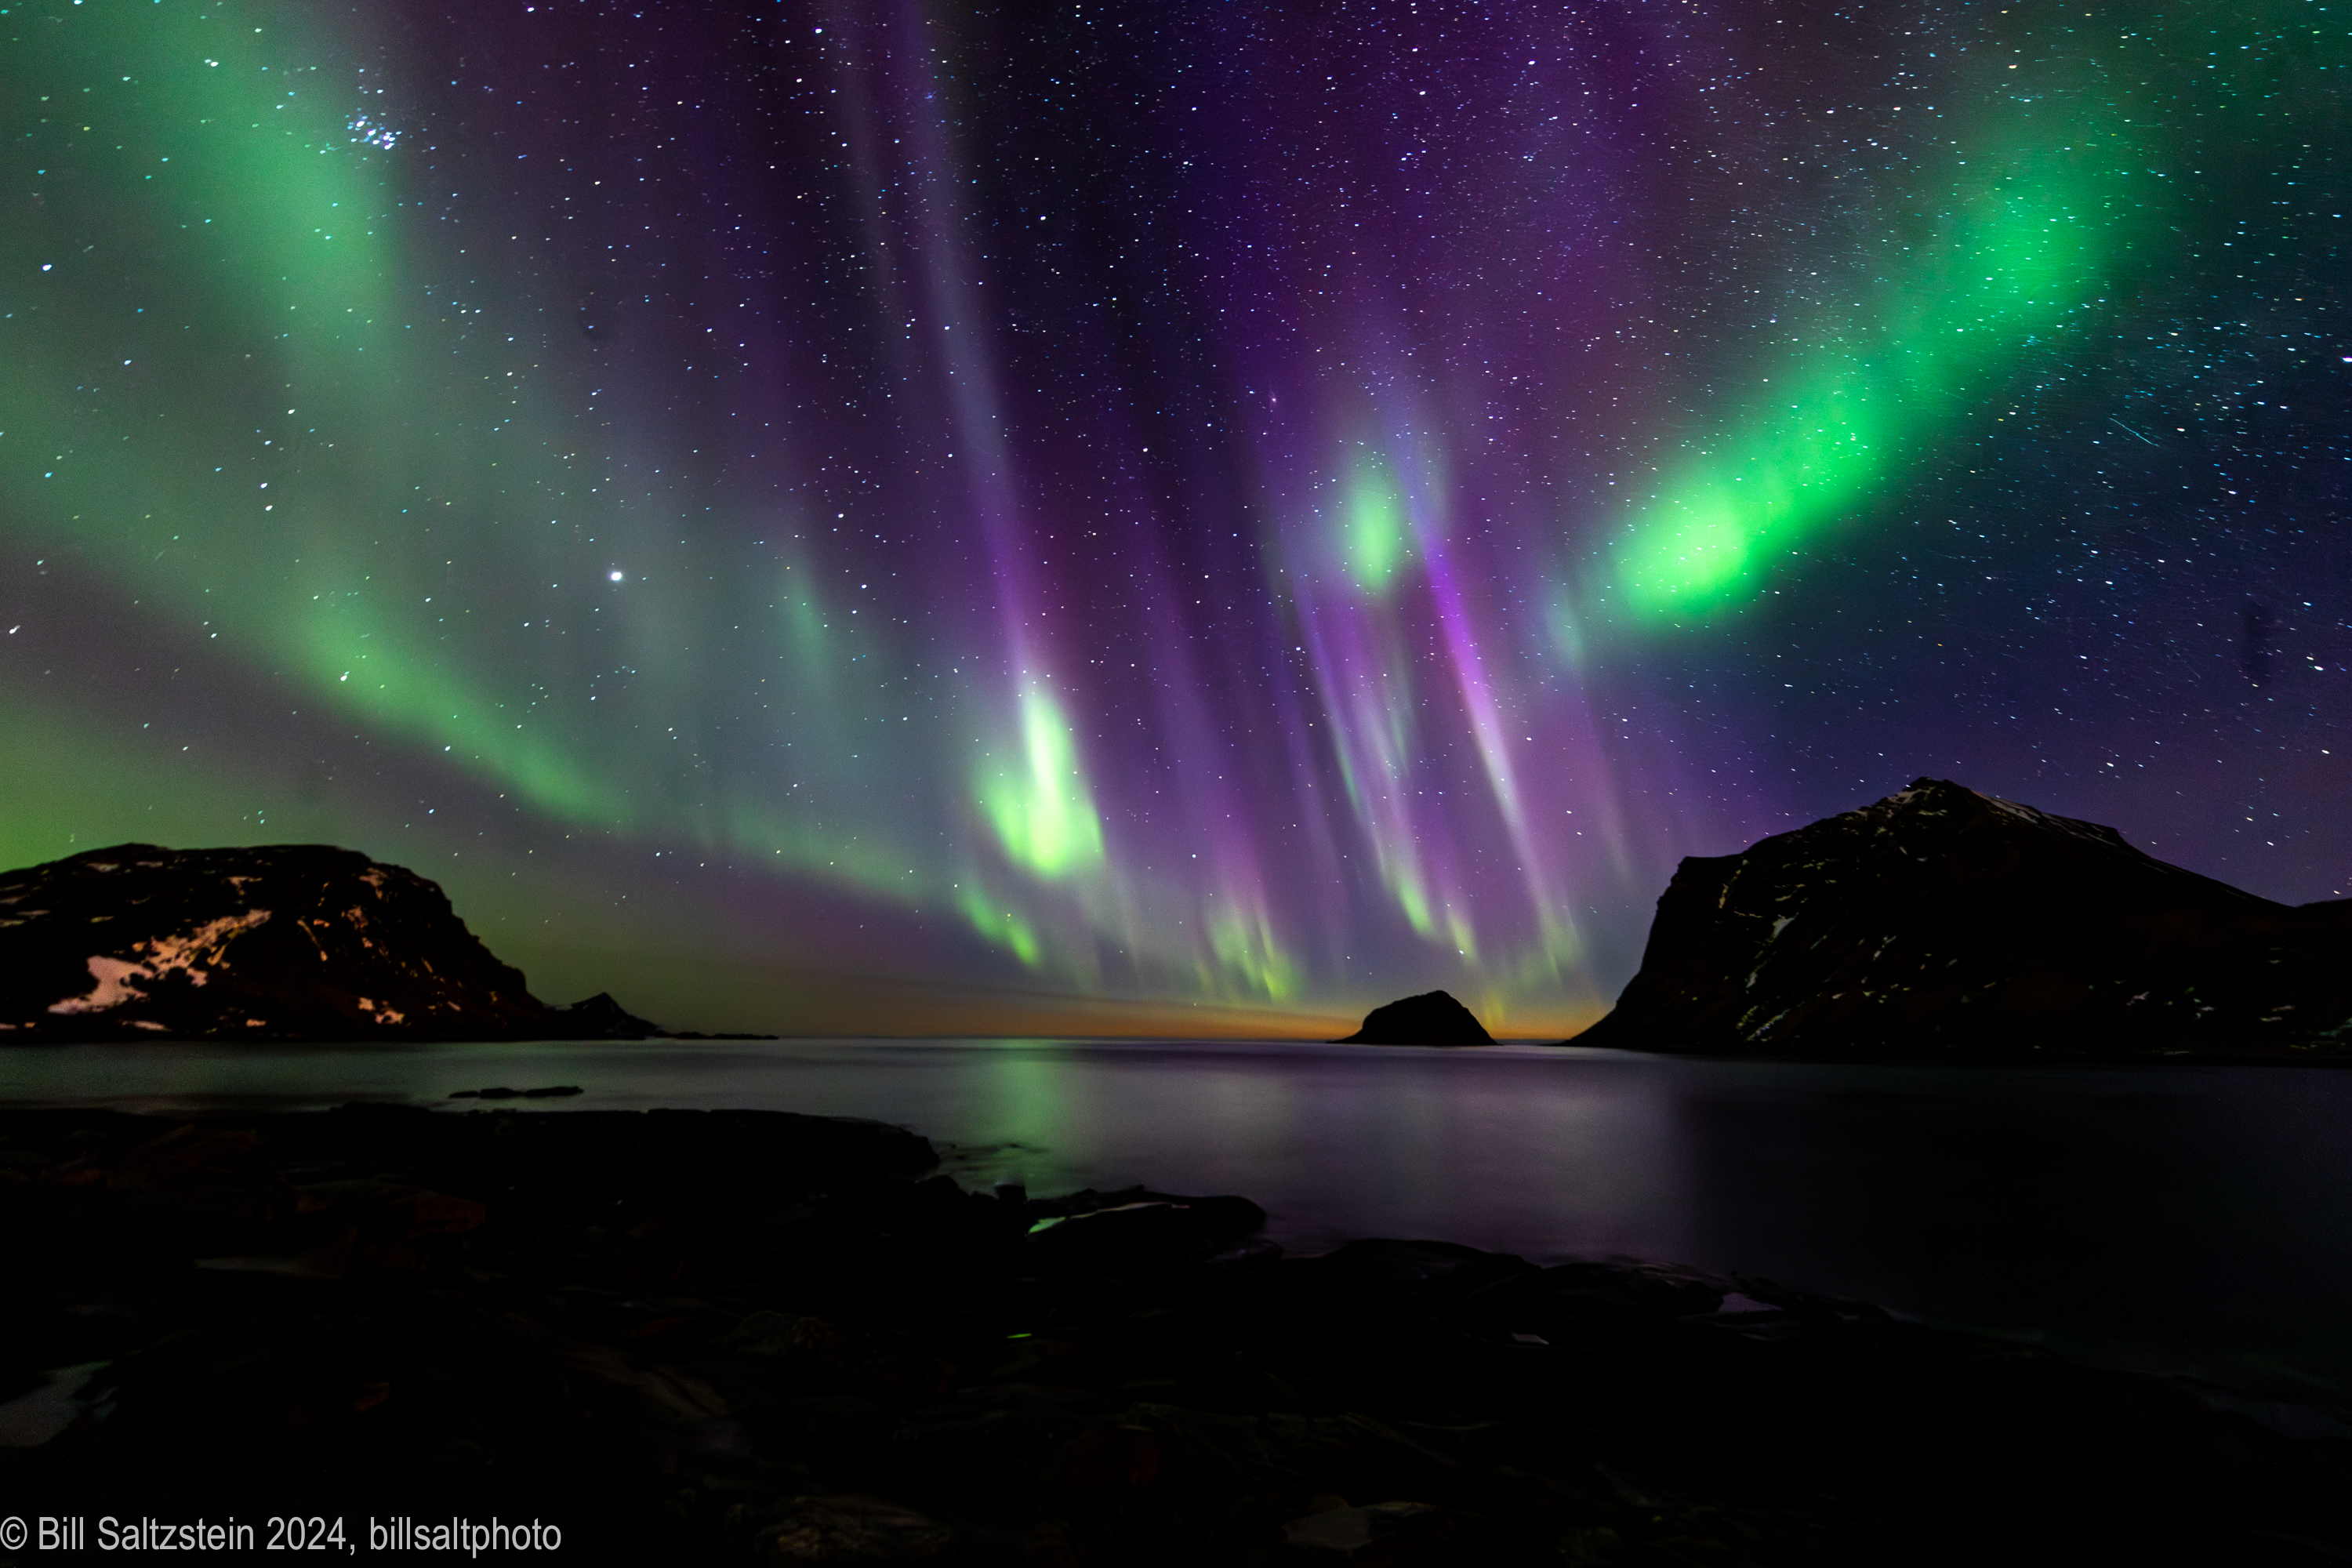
(1431,1018)
(290,942)
(1940,922)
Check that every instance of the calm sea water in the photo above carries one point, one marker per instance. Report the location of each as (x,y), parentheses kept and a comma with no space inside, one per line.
(2194,1220)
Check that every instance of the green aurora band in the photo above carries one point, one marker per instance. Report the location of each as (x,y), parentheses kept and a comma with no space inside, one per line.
(1950,301)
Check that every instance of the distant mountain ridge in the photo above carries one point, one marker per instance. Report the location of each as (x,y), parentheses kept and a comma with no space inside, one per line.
(275,942)
(1943,922)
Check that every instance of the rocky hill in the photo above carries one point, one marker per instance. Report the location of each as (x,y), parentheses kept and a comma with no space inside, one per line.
(1940,922)
(1431,1018)
(278,942)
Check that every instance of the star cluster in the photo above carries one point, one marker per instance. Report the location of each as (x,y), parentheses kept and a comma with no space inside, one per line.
(1178,517)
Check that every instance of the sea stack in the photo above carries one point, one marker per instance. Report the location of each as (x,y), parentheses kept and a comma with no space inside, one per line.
(278,942)
(1941,922)
(1431,1018)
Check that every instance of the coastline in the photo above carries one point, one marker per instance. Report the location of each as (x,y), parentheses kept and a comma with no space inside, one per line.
(732,1336)
(2332,1054)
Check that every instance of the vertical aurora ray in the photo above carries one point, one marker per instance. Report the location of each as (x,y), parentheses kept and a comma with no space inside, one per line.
(1037,799)
(1373,534)
(1358,605)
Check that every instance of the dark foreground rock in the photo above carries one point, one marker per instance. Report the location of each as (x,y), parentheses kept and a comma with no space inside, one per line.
(301,941)
(1939,921)
(739,1337)
(1431,1018)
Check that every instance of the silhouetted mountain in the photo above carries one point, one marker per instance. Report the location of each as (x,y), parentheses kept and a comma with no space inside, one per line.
(1939,921)
(279,941)
(602,1018)
(1431,1018)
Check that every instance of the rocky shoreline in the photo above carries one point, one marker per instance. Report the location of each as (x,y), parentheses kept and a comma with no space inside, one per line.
(755,1337)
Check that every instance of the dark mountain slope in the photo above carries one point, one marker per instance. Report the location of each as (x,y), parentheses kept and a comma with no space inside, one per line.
(278,942)
(1939,921)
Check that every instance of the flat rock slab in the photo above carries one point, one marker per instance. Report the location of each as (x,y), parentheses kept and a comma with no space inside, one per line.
(733,1337)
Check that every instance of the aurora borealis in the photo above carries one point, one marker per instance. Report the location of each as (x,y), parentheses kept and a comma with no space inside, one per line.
(1189,517)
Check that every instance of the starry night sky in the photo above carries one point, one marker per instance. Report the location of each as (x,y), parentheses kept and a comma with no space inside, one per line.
(1197,516)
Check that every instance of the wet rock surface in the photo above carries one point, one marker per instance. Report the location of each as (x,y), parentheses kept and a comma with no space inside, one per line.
(747,1337)
(1431,1018)
(1943,922)
(301,941)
